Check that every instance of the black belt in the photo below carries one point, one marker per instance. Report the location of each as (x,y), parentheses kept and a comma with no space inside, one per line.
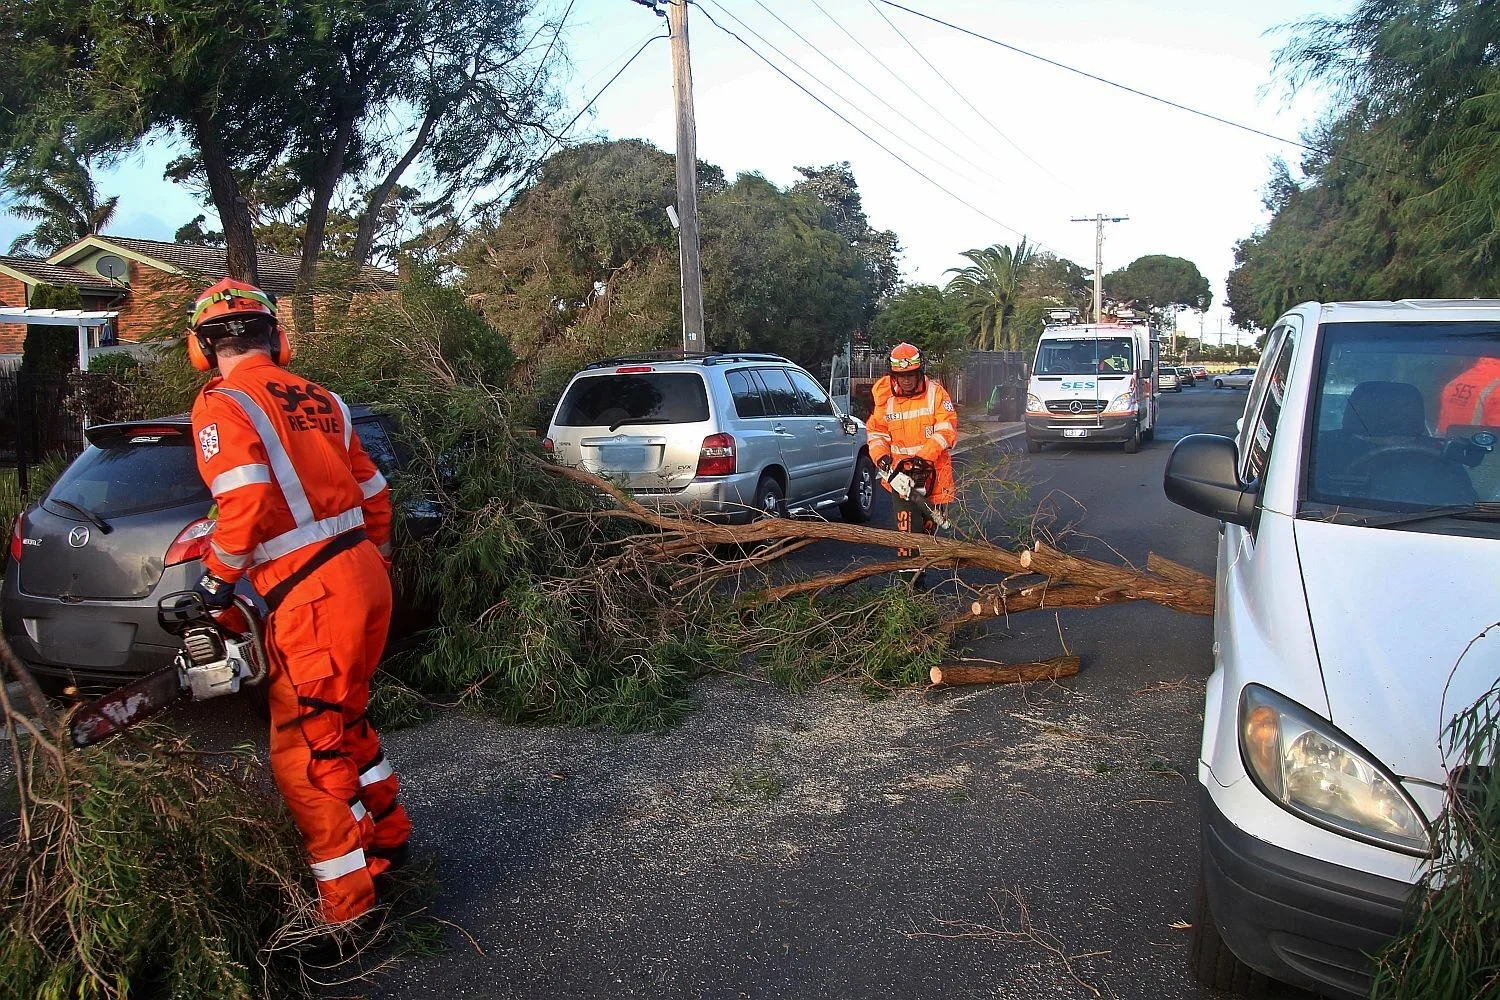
(341,543)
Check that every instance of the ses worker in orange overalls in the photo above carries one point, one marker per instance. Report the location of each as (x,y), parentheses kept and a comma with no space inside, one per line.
(912,430)
(1472,399)
(305,513)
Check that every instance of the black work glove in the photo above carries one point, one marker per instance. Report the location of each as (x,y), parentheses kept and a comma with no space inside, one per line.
(216,594)
(884,463)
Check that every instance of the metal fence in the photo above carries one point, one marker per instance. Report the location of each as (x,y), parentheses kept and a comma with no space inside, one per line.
(994,380)
(36,421)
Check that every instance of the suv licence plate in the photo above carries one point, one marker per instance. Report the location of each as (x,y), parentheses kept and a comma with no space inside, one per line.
(1075,432)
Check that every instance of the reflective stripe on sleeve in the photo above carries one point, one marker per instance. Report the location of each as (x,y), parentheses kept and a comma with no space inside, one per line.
(372,486)
(907,449)
(244,475)
(308,534)
(348,420)
(358,809)
(344,864)
(234,560)
(879,436)
(378,771)
(942,441)
(944,426)
(1483,401)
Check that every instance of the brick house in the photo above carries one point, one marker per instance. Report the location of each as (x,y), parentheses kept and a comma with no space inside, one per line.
(150,283)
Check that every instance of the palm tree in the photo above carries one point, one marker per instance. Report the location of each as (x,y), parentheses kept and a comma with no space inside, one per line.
(59,196)
(989,288)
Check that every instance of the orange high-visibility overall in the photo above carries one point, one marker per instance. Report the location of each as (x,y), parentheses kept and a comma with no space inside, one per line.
(923,426)
(290,477)
(1473,398)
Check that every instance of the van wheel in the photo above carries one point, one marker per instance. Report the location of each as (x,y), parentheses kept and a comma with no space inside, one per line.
(1149,434)
(770,498)
(1033,446)
(1214,965)
(861,503)
(1134,444)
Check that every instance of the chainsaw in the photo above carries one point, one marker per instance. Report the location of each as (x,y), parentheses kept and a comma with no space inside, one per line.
(918,471)
(217,658)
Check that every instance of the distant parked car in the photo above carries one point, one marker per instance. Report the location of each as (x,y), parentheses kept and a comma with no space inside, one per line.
(1167,380)
(1240,378)
(124,525)
(730,437)
(1200,373)
(1185,376)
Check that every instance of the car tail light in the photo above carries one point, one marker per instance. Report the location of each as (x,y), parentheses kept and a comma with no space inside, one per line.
(548,446)
(635,370)
(16,548)
(191,543)
(717,456)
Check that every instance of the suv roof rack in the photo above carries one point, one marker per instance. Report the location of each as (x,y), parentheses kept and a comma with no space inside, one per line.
(702,356)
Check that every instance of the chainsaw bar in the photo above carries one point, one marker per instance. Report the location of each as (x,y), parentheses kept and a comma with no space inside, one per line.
(124,707)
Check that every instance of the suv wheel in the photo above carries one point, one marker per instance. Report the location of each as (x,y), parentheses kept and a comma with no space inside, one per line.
(770,498)
(1214,965)
(1133,445)
(861,503)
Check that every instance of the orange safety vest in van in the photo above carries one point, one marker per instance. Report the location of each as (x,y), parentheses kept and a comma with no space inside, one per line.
(922,426)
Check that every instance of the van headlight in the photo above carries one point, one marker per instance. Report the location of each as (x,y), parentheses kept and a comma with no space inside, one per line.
(1309,768)
(1034,405)
(1123,403)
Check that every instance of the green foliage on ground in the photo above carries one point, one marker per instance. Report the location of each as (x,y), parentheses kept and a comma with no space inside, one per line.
(1400,198)
(39,479)
(149,875)
(1452,946)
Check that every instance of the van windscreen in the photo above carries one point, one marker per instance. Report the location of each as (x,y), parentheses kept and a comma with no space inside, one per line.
(1085,356)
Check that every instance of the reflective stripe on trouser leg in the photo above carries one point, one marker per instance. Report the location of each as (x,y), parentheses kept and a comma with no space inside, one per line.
(903,523)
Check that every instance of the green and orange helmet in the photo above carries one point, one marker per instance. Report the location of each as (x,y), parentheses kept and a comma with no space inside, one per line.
(234,308)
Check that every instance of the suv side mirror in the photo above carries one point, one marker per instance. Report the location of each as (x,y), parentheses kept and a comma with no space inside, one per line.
(1202,475)
(850,425)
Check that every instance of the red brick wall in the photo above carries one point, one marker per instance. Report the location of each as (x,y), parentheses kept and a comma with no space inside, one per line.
(12,335)
(158,302)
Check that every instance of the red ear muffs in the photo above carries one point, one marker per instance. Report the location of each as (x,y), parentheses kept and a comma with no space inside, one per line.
(281,348)
(200,351)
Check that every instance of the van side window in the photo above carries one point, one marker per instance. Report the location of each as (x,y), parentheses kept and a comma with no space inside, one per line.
(781,398)
(1262,430)
(815,402)
(747,398)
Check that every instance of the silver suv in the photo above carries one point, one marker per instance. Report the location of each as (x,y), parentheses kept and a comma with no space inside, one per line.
(730,437)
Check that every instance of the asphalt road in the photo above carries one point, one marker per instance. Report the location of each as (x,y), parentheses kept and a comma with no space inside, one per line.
(1019,841)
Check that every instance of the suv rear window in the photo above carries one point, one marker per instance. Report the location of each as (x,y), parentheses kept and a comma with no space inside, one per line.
(131,474)
(645,398)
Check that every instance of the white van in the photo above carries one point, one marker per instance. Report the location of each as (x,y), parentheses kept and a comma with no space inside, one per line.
(1359,535)
(1094,382)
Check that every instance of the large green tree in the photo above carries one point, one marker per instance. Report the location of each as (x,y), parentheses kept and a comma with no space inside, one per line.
(54,189)
(923,315)
(990,289)
(1160,284)
(345,97)
(1401,197)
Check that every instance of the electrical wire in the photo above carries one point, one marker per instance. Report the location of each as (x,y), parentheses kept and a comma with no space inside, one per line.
(887,104)
(960,95)
(874,141)
(1132,90)
(877,123)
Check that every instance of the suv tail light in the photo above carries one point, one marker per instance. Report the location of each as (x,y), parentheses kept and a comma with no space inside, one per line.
(191,542)
(717,456)
(548,446)
(16,548)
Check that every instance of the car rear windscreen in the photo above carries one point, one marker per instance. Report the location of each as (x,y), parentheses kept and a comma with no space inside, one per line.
(133,473)
(641,398)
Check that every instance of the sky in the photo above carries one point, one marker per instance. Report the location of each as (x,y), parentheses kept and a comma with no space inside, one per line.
(1024,149)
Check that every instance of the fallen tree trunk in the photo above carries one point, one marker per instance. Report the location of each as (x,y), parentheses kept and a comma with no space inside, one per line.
(953,674)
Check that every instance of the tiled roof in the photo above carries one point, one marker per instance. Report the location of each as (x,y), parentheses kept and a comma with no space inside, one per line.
(58,274)
(278,272)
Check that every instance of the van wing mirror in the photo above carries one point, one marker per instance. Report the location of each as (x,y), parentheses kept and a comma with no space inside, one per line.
(1203,476)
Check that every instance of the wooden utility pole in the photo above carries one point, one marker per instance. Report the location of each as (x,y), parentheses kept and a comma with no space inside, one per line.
(1099,219)
(687,181)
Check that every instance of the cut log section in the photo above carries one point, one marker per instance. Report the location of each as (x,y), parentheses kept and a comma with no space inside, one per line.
(954,674)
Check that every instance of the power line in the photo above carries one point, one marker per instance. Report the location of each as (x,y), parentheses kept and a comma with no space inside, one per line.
(898,77)
(1132,90)
(960,94)
(876,142)
(856,108)
(895,110)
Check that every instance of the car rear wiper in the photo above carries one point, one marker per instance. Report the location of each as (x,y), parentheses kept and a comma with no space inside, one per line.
(1483,510)
(639,420)
(85,513)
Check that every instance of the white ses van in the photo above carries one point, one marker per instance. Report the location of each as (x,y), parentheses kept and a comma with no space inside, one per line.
(1359,519)
(1094,382)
